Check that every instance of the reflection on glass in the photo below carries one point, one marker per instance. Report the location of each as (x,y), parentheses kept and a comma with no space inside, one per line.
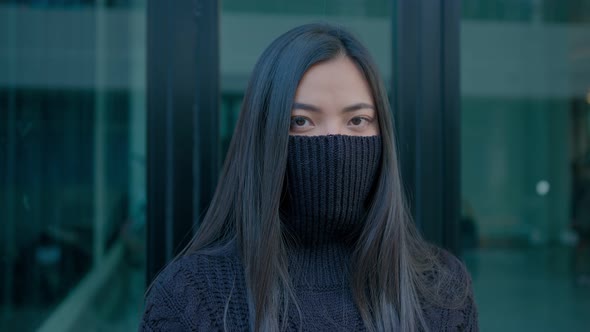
(72,147)
(525,162)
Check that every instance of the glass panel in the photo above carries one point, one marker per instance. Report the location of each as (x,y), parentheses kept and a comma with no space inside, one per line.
(248,27)
(526,162)
(72,150)
(362,8)
(570,11)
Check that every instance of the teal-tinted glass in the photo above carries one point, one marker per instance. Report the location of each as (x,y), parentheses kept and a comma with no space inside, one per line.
(525,162)
(72,165)
(554,11)
(330,8)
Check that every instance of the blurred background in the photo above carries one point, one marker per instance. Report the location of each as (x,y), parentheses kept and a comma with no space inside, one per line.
(75,133)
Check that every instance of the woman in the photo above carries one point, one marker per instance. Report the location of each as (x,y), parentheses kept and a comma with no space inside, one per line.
(308,229)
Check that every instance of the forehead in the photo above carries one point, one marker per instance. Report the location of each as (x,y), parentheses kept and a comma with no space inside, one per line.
(337,81)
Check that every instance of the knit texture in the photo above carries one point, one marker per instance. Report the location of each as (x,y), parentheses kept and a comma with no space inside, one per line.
(329,179)
(329,182)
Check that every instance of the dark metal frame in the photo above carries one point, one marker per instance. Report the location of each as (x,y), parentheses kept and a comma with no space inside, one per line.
(183,122)
(426,106)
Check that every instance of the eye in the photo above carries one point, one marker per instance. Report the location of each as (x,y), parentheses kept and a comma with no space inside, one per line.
(299,122)
(360,121)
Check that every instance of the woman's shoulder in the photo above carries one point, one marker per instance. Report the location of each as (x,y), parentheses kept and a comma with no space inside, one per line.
(193,284)
(442,268)
(203,270)
(454,268)
(449,301)
(201,267)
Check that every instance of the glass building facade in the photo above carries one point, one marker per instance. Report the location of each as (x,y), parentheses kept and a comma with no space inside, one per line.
(72,165)
(525,165)
(75,133)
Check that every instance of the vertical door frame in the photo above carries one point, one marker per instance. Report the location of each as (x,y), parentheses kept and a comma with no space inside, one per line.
(183,122)
(426,106)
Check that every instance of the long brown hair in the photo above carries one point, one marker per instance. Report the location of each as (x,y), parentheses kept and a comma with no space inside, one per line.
(393,266)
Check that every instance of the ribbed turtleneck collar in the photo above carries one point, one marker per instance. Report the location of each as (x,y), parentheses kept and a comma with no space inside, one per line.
(329,180)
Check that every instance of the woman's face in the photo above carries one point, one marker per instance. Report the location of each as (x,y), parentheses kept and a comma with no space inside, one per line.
(333,98)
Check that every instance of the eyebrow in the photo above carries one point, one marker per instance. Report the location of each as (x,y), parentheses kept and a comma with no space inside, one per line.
(351,108)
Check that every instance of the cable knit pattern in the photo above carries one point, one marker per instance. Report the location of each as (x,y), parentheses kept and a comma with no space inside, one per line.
(192,294)
(329,179)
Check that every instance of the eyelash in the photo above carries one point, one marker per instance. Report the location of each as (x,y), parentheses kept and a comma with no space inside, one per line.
(298,117)
(295,118)
(367,119)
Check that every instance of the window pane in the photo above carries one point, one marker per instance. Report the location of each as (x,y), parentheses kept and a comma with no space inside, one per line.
(72,150)
(526,163)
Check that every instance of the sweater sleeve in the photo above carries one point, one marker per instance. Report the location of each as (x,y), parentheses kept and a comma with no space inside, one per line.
(458,311)
(160,313)
(467,314)
(469,311)
(175,302)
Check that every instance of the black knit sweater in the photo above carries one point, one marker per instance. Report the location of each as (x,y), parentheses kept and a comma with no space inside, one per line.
(329,181)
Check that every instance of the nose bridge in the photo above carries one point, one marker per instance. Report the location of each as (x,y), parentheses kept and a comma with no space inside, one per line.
(333,126)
